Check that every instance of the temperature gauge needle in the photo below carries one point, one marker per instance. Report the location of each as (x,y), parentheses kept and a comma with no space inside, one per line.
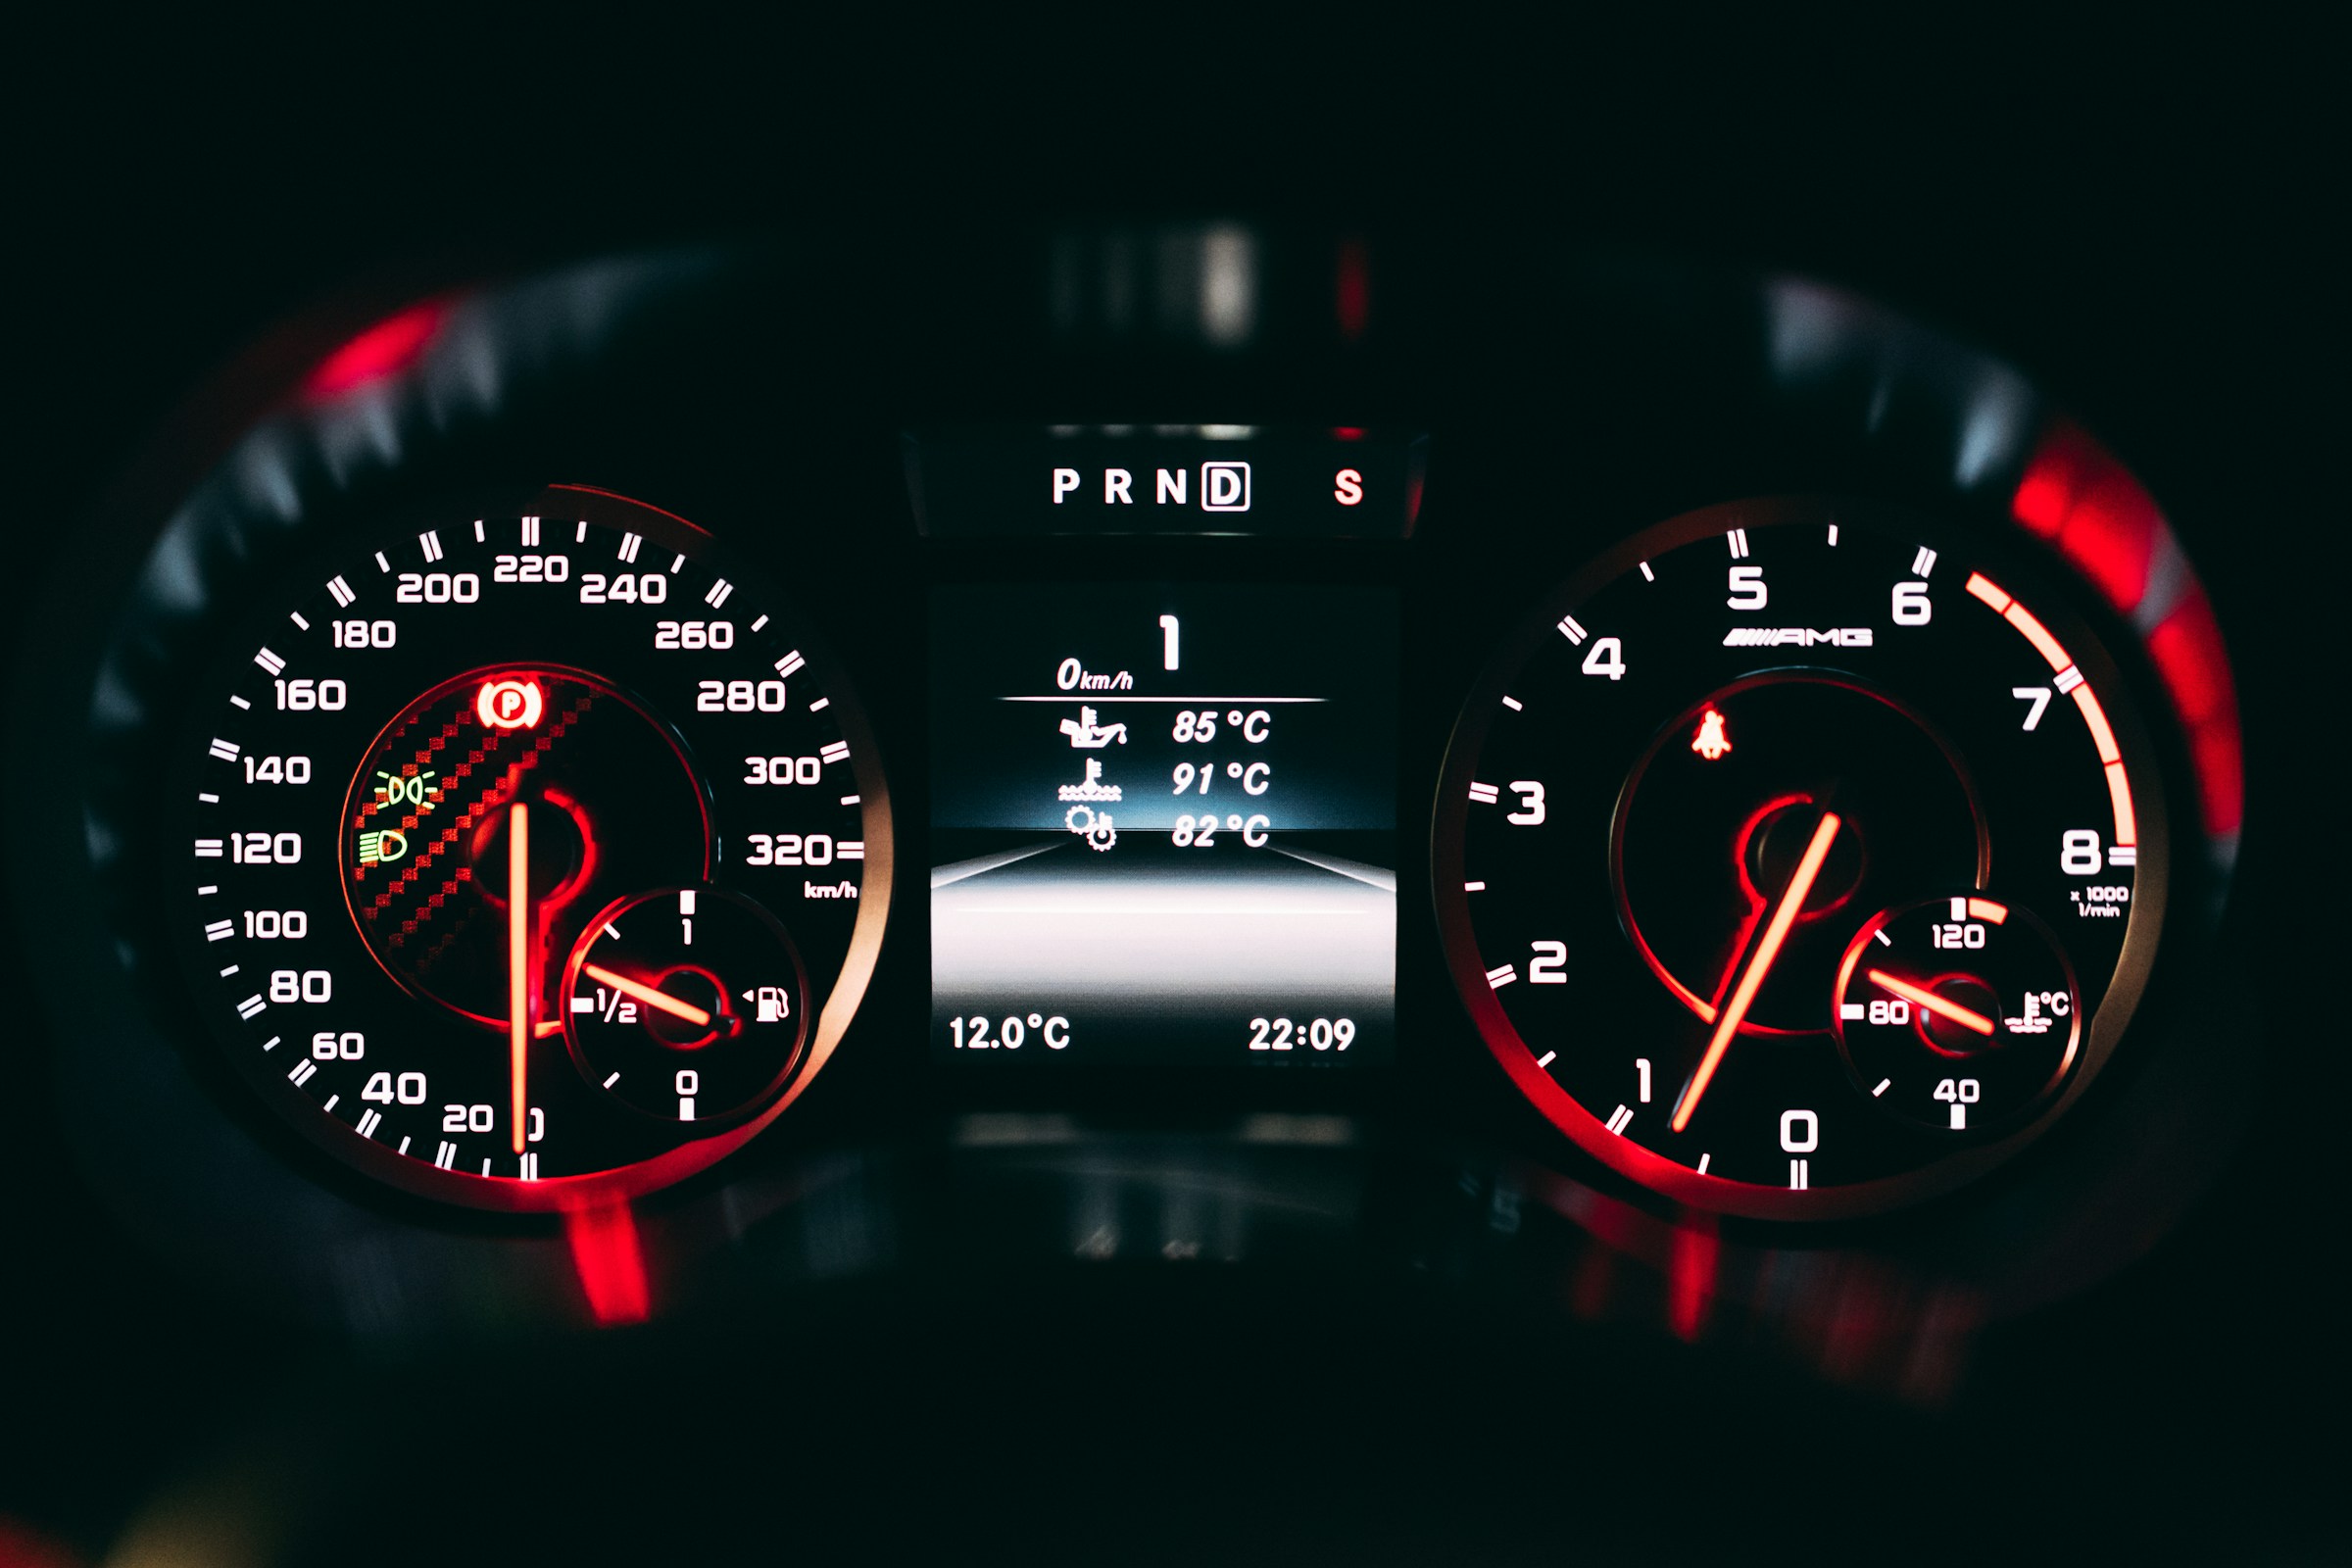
(649,995)
(1922,996)
(1784,915)
(520,979)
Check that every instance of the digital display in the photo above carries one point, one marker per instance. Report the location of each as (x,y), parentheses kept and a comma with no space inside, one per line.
(1163,824)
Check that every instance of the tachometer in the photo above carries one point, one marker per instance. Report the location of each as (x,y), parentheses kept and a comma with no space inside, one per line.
(532,856)
(1793,866)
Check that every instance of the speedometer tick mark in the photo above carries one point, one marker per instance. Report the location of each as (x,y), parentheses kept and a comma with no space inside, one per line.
(207,890)
(821,704)
(1703,1164)
(790,662)
(208,798)
(849,800)
(612,1080)
(1547,1058)
(338,590)
(219,931)
(381,564)
(630,545)
(271,664)
(239,702)
(1833,536)
(530,533)
(430,539)
(675,563)
(757,624)
(1514,705)
(1647,575)
(581,537)
(1881,1089)
(612,930)
(1474,886)
(717,596)
(479,535)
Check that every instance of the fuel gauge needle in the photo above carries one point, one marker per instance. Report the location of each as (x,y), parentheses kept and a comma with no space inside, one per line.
(1744,996)
(651,995)
(520,979)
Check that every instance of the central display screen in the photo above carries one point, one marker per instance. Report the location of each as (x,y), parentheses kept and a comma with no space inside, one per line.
(1163,824)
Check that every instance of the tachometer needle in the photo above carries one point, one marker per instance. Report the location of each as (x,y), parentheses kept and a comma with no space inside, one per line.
(520,979)
(1743,995)
(1922,996)
(649,995)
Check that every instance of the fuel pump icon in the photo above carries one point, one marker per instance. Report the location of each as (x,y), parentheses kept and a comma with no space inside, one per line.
(772,1004)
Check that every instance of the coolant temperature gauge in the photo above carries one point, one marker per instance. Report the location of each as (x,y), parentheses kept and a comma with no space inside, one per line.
(1956,1013)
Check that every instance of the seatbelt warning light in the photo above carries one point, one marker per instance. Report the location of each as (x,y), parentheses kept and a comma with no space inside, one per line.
(1711,742)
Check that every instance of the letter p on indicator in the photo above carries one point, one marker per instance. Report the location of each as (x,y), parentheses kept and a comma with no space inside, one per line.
(1065,481)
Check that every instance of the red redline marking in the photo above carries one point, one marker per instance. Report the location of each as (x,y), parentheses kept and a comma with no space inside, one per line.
(2118,793)
(1986,910)
(2096,717)
(2036,634)
(1986,589)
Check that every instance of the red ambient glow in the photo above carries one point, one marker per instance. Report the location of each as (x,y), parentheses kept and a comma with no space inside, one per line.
(2077,495)
(1353,293)
(610,1263)
(390,346)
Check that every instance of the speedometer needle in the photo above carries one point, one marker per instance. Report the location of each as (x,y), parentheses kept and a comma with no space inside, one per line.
(520,986)
(1922,996)
(649,995)
(1744,994)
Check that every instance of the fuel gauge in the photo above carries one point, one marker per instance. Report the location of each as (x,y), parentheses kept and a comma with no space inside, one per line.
(1956,1013)
(686,1003)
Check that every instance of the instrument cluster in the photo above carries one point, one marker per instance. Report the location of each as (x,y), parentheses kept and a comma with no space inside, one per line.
(593,744)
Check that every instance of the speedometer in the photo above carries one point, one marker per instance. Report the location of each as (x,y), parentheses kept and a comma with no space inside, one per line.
(1796,864)
(532,856)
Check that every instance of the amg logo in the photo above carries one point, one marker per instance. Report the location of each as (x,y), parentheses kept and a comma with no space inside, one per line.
(1801,636)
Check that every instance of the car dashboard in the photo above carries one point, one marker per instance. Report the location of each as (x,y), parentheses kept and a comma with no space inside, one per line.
(1062,886)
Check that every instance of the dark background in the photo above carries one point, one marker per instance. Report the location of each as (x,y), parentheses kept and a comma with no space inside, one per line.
(2140,216)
